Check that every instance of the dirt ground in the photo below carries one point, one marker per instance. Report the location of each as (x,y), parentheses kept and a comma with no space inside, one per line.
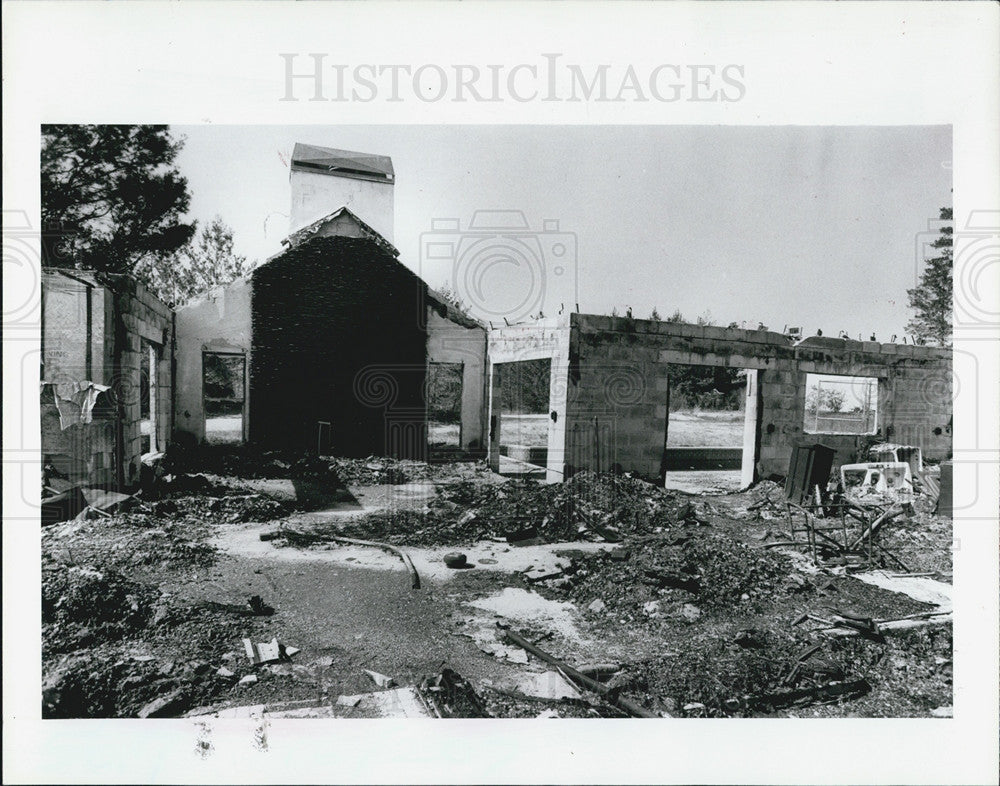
(678,601)
(700,428)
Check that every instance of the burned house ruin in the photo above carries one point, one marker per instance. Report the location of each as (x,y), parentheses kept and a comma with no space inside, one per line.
(329,346)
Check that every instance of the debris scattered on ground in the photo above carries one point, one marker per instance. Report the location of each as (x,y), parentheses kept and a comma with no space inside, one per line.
(520,605)
(300,538)
(449,695)
(613,696)
(549,685)
(587,507)
(380,679)
(405,702)
(484,635)
(456,560)
(259,607)
(681,605)
(269,652)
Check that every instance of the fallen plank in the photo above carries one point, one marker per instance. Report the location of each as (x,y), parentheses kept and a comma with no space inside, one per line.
(593,685)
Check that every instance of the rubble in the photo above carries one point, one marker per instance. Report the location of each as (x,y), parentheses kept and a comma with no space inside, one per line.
(449,695)
(380,679)
(688,609)
(587,507)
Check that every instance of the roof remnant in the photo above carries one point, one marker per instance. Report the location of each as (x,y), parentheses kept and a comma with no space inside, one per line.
(343,163)
(314,228)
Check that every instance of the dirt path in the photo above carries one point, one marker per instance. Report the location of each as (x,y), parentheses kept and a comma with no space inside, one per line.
(363,618)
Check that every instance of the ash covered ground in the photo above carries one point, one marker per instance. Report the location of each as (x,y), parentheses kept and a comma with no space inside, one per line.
(666,603)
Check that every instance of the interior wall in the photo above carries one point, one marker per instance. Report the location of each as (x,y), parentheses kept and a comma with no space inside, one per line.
(141,315)
(73,306)
(448,342)
(95,332)
(220,321)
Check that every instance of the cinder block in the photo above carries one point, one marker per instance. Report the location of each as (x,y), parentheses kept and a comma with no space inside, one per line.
(718,333)
(674,356)
(593,323)
(690,331)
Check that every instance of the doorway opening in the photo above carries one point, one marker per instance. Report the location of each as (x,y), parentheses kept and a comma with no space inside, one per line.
(149,357)
(444,407)
(521,415)
(709,414)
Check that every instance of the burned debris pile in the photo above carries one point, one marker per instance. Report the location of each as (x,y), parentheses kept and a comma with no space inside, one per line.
(676,575)
(605,508)
(713,606)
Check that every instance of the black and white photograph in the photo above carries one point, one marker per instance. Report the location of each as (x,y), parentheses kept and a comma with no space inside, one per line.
(499,418)
(498,473)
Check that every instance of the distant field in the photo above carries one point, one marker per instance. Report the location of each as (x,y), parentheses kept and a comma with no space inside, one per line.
(439,433)
(224,429)
(524,429)
(690,428)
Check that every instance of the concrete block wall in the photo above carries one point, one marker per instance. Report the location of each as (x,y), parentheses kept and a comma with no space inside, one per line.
(65,317)
(617,373)
(141,315)
(77,345)
(104,345)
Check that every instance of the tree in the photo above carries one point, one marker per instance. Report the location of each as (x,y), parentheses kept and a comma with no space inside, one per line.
(707,387)
(209,260)
(655,315)
(524,385)
(826,400)
(111,196)
(931,299)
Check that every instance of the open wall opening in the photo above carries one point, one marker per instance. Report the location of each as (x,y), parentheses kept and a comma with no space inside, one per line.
(840,405)
(706,426)
(444,406)
(521,416)
(224,392)
(149,355)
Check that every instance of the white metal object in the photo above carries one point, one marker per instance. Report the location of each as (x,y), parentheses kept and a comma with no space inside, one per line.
(883,477)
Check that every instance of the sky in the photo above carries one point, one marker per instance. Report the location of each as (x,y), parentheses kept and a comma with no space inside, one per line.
(814,227)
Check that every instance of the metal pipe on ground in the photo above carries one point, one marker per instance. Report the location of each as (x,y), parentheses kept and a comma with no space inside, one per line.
(593,685)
